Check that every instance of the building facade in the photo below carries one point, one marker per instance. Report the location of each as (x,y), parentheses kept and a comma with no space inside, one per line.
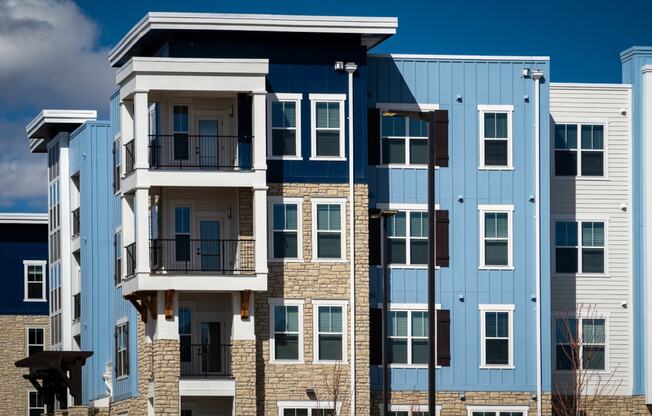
(23,306)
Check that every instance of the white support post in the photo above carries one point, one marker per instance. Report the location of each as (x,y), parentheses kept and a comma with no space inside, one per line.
(242,329)
(141,208)
(141,129)
(166,328)
(259,129)
(260,228)
(128,227)
(126,130)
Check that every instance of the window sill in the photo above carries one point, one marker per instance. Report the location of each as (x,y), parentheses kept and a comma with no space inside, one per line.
(497,168)
(497,367)
(283,362)
(35,300)
(317,260)
(330,362)
(501,268)
(284,158)
(285,261)
(122,378)
(327,158)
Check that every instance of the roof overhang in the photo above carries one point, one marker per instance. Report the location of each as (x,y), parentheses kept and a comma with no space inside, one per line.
(372,30)
(23,218)
(48,123)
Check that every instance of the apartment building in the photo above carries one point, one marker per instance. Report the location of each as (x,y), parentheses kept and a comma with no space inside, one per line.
(23,306)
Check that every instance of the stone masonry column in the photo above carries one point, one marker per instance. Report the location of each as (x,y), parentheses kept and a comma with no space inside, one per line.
(166,357)
(243,358)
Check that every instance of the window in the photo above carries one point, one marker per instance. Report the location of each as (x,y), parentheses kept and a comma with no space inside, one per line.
(407,232)
(585,254)
(329,330)
(480,410)
(496,323)
(404,141)
(328,240)
(408,337)
(35,403)
(580,344)
(286,330)
(286,237)
(579,158)
(180,132)
(116,165)
(185,334)
(117,257)
(182,233)
(35,340)
(495,137)
(285,126)
(34,275)
(327,125)
(307,408)
(122,350)
(495,236)
(410,410)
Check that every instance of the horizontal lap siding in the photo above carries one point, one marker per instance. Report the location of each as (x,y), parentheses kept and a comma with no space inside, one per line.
(601,199)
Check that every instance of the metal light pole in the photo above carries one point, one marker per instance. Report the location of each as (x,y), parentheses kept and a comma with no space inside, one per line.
(432,246)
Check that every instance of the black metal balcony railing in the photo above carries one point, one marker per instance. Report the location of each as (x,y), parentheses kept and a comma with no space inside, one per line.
(75,222)
(205,360)
(216,256)
(131,259)
(76,307)
(184,151)
(130,157)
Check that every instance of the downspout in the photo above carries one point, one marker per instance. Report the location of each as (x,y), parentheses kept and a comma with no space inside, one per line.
(350,69)
(537,75)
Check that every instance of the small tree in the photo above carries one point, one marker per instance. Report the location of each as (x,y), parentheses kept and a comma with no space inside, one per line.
(580,390)
(332,391)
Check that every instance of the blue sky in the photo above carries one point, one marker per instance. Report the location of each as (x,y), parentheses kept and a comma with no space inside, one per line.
(54,51)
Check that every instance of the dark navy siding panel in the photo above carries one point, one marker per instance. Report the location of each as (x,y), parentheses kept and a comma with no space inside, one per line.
(20,242)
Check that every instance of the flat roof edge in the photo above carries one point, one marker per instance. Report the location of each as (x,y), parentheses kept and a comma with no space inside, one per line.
(631,51)
(462,57)
(23,218)
(53,117)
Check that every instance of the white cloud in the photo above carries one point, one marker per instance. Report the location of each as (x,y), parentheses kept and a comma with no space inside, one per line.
(49,58)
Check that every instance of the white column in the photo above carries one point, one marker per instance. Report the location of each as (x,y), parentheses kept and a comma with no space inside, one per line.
(141,129)
(647,218)
(166,328)
(260,228)
(127,211)
(242,329)
(141,208)
(64,243)
(126,129)
(259,130)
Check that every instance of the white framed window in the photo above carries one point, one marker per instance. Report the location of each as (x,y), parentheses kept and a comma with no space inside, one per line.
(329,329)
(286,330)
(285,225)
(327,126)
(496,136)
(404,141)
(117,257)
(34,278)
(181,131)
(580,343)
(284,126)
(583,157)
(328,237)
(35,337)
(122,349)
(407,232)
(580,247)
(409,410)
(483,410)
(496,238)
(407,333)
(182,233)
(496,336)
(35,403)
(307,408)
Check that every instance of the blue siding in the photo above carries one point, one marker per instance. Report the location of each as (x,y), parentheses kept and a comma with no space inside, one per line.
(478,82)
(20,242)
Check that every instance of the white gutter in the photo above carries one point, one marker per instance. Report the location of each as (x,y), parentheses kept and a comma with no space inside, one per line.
(537,75)
(350,69)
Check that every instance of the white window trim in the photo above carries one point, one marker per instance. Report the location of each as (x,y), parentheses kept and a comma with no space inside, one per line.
(292,97)
(484,408)
(408,239)
(484,308)
(316,303)
(27,344)
(581,316)
(41,264)
(509,110)
(272,345)
(409,408)
(343,219)
(509,210)
(27,406)
(314,98)
(124,321)
(589,121)
(580,219)
(308,405)
(271,201)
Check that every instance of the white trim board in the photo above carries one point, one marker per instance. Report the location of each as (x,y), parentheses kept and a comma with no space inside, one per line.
(461,57)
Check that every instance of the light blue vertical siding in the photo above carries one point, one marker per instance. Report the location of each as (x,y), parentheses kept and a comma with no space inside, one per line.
(439,81)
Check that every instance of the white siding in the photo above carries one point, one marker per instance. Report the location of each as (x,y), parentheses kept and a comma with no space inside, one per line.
(607,198)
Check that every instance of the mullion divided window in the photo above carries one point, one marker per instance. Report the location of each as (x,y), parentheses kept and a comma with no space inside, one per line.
(34,280)
(583,157)
(495,137)
(592,247)
(327,128)
(181,130)
(407,232)
(117,257)
(286,332)
(285,231)
(408,337)
(330,336)
(497,337)
(580,344)
(185,334)
(285,128)
(182,233)
(122,350)
(329,238)
(404,141)
(35,403)
(583,253)
(496,244)
(35,340)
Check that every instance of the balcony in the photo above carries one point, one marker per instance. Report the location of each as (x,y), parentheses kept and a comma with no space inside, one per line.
(75,223)
(205,360)
(194,152)
(194,256)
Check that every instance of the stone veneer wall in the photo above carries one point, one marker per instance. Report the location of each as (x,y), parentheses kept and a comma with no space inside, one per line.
(243,367)
(13,347)
(167,371)
(310,280)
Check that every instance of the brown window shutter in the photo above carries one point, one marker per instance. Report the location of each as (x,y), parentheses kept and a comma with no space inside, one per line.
(374,242)
(442,245)
(441,138)
(373,135)
(444,337)
(376,336)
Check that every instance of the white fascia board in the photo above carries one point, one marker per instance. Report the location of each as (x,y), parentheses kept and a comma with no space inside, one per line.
(462,57)
(207,387)
(35,127)
(253,23)
(195,283)
(23,218)
(589,86)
